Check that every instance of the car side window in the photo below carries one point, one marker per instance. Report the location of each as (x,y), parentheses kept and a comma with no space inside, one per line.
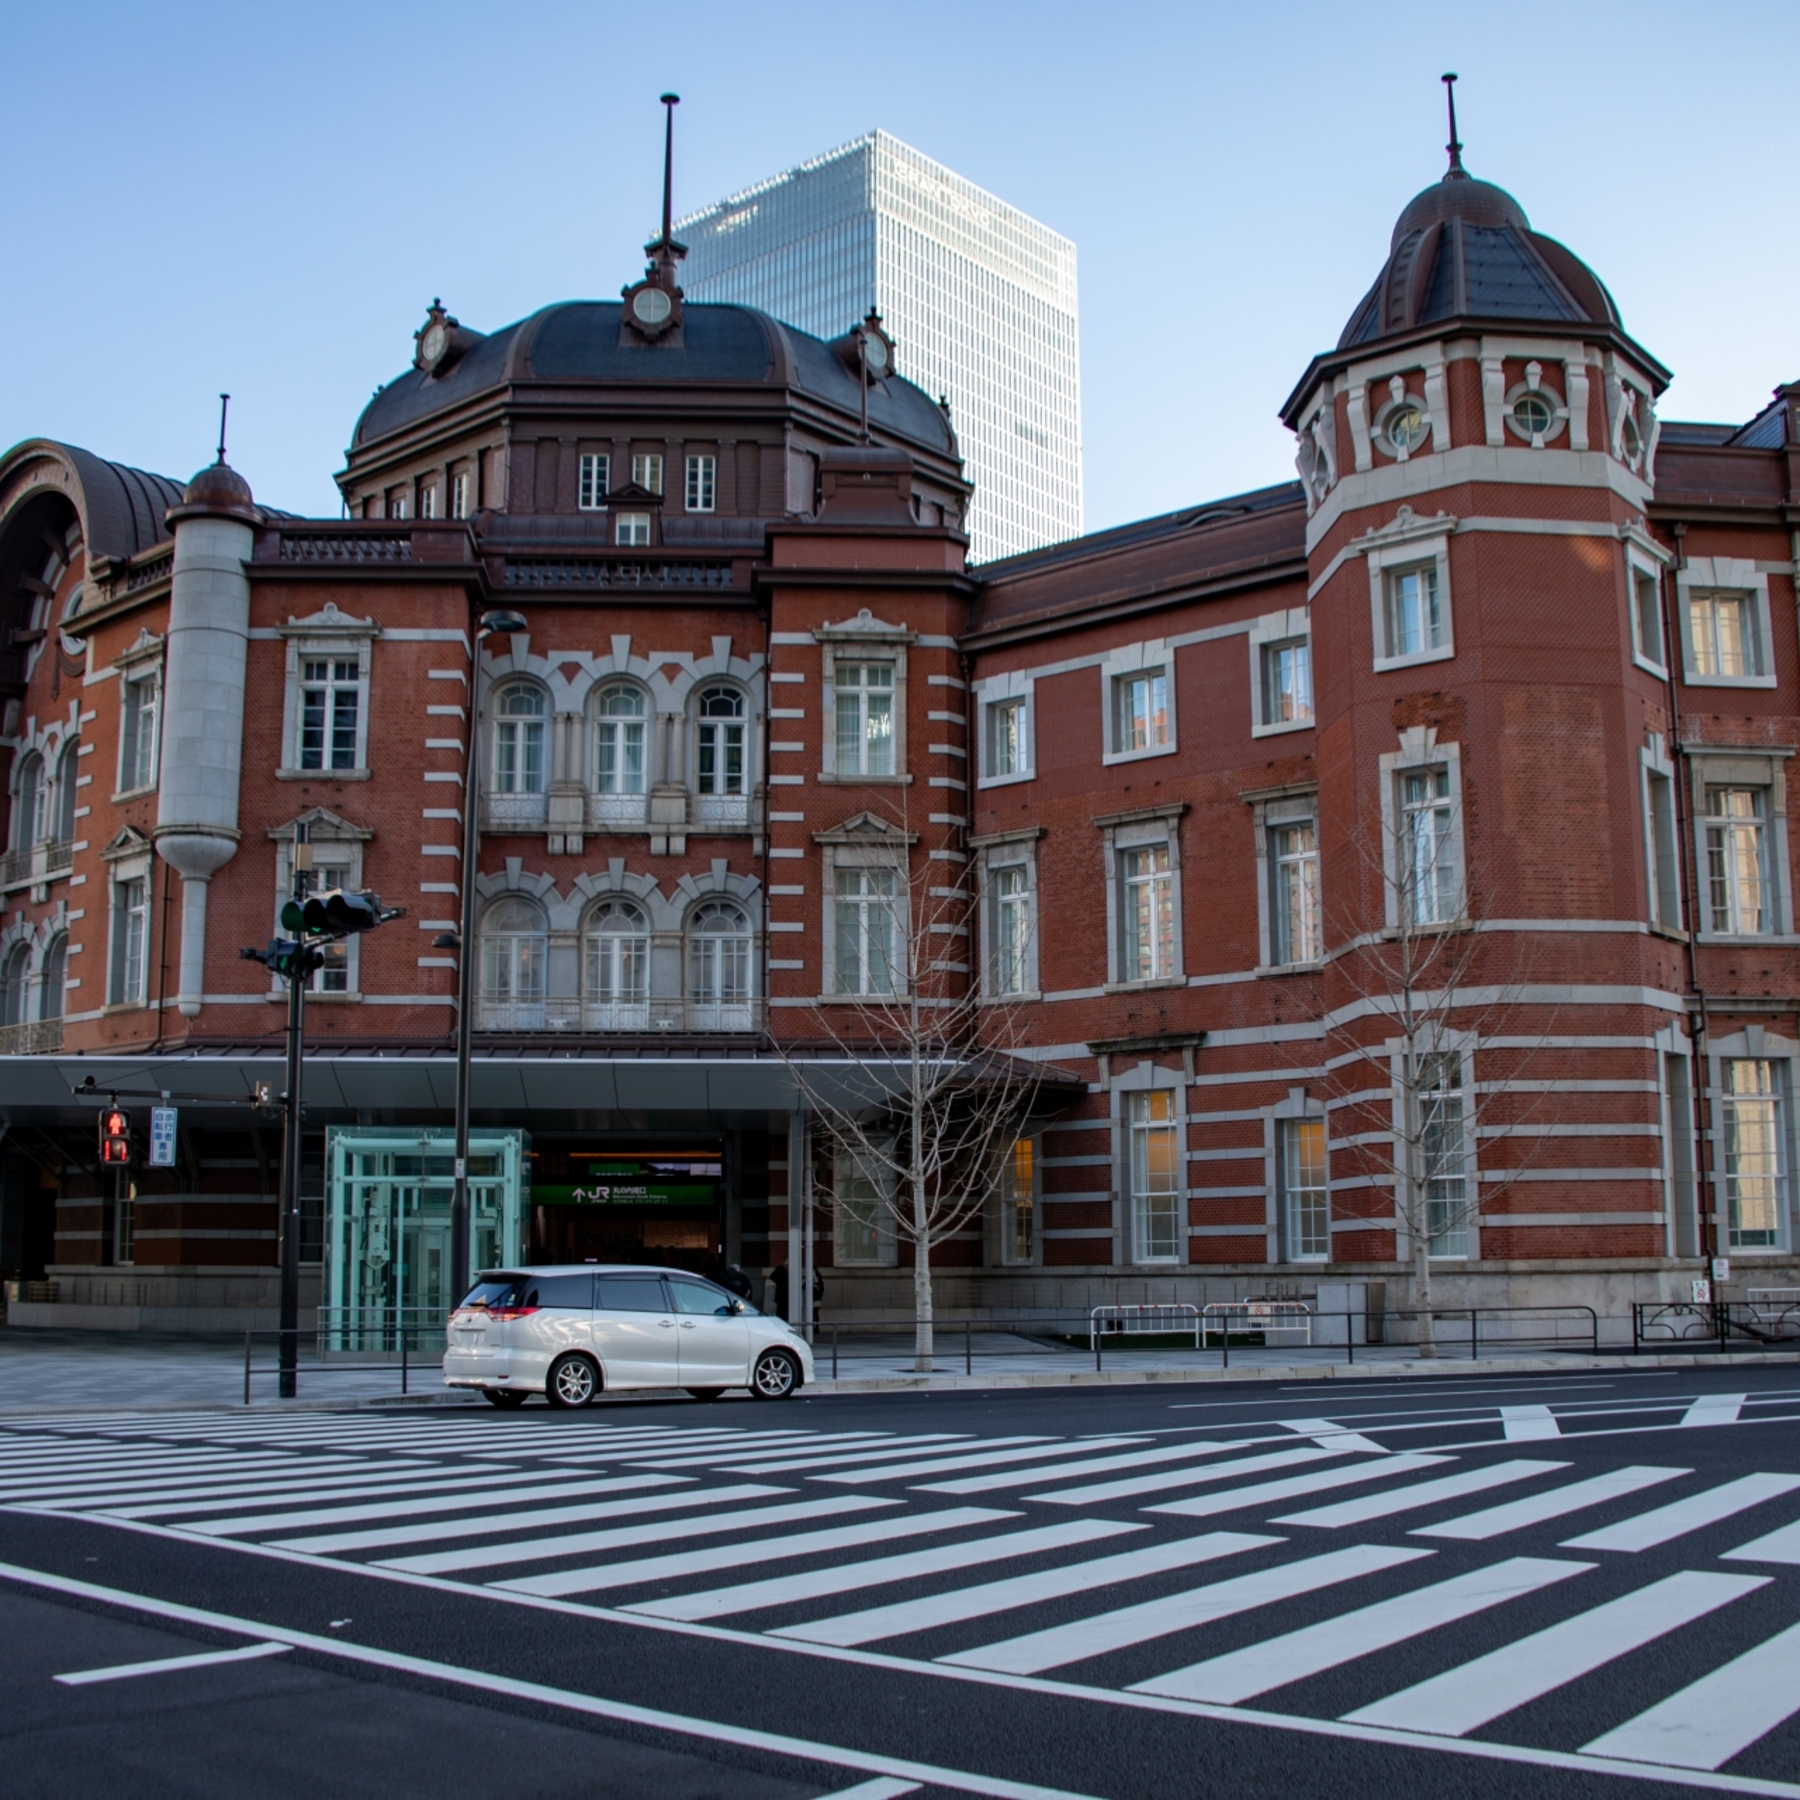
(561,1292)
(700,1297)
(630,1293)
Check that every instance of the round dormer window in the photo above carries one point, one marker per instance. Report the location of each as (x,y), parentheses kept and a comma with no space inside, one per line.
(1405,427)
(1631,442)
(1533,415)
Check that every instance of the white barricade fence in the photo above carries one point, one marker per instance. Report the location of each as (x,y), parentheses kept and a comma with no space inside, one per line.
(1155,1319)
(1279,1321)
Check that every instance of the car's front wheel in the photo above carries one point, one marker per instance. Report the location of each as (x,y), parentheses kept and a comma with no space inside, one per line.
(572,1381)
(775,1376)
(507,1397)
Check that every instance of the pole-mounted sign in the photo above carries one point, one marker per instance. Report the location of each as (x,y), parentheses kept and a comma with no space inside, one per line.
(162,1137)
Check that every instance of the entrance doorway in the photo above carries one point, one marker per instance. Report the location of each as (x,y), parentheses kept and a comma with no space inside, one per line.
(615,1201)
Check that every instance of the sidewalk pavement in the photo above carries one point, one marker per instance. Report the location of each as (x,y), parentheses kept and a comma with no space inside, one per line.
(60,1372)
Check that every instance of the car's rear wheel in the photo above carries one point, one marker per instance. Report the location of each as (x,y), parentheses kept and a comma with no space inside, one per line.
(775,1376)
(507,1397)
(572,1381)
(706,1393)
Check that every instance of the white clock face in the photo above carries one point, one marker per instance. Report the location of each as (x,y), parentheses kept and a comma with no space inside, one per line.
(431,345)
(876,352)
(652,306)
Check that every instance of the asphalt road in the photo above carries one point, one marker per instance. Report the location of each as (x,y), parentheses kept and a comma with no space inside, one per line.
(1561,1584)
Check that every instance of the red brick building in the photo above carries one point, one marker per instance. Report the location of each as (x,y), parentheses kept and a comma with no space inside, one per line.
(1396,859)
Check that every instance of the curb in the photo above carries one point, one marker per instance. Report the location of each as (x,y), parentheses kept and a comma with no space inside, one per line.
(906,1382)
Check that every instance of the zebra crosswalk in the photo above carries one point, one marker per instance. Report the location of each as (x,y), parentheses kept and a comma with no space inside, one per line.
(1330,1569)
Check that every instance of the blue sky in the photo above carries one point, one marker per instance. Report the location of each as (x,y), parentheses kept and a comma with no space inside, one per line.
(265,199)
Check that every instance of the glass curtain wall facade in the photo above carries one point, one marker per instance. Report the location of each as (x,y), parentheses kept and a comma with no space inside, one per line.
(979,298)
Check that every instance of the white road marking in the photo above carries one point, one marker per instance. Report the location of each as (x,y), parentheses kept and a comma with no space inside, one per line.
(1028,1450)
(344,1487)
(847,1442)
(1128,1625)
(1243,1674)
(579,1543)
(1465,1698)
(592,1705)
(879,1789)
(940,1559)
(683,1563)
(1336,1436)
(1782,1546)
(169,1665)
(1648,1529)
(1099,1465)
(1715,1409)
(1708,1722)
(1100,1492)
(1263,1493)
(904,1616)
(1416,1494)
(1524,1424)
(1534,1509)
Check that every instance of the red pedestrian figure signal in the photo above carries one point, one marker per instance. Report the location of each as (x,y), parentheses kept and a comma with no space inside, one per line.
(115,1138)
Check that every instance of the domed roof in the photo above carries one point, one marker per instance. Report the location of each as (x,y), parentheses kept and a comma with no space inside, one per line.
(217,491)
(583,340)
(1464,249)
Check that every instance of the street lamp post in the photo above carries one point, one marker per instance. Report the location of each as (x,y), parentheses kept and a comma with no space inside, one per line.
(491,624)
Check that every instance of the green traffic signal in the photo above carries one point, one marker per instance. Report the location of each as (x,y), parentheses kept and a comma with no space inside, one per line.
(292,917)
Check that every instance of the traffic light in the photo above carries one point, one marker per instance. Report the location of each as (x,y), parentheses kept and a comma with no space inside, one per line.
(285,959)
(115,1138)
(339,913)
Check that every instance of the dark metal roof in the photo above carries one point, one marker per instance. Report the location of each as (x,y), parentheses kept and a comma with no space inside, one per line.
(1464,249)
(123,507)
(581,340)
(1767,431)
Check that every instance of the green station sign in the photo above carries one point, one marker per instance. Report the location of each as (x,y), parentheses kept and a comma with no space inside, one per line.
(629,1185)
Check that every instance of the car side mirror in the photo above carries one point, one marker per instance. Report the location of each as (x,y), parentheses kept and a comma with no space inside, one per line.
(737,1306)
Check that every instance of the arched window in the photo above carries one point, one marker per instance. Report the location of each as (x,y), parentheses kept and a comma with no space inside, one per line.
(519,739)
(514,949)
(616,968)
(66,771)
(28,806)
(56,969)
(619,740)
(721,975)
(720,764)
(12,985)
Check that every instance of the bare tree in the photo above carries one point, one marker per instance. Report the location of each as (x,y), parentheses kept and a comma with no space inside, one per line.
(914,1078)
(1419,998)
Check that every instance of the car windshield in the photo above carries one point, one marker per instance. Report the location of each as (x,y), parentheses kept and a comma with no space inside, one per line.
(495,1290)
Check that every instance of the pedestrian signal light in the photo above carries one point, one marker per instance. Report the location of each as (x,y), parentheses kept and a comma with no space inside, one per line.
(115,1138)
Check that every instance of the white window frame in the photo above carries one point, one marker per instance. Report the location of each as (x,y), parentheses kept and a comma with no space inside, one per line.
(623,1011)
(845,1165)
(1644,562)
(428,499)
(1298,1107)
(1714,766)
(1754,1043)
(647,470)
(862,639)
(1420,750)
(141,668)
(328,636)
(1271,633)
(1724,574)
(710,1008)
(127,871)
(526,1012)
(1147,828)
(1013,1199)
(897,907)
(1129,663)
(1008,851)
(700,490)
(1147,1078)
(1662,842)
(602,725)
(594,480)
(1275,811)
(1016,688)
(1398,556)
(632,530)
(461,486)
(496,721)
(1466,1240)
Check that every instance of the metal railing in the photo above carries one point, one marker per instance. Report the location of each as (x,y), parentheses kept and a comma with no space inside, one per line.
(1462,1332)
(37,1037)
(1765,1318)
(359,1341)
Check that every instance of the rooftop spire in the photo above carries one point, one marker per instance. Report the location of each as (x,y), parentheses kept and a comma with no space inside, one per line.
(224,404)
(1454,146)
(670,102)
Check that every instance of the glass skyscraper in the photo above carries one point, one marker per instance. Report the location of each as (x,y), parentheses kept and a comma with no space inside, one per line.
(979,299)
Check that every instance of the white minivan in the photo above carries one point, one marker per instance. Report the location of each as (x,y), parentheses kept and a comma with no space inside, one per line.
(570,1332)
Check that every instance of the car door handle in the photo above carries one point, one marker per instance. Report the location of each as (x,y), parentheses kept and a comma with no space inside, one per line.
(687,1324)
(666,1324)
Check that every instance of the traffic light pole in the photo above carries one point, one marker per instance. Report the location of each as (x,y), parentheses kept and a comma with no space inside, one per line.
(290,1188)
(465,1006)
